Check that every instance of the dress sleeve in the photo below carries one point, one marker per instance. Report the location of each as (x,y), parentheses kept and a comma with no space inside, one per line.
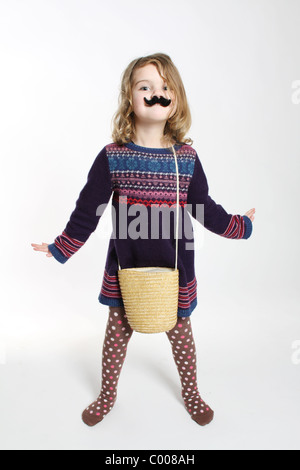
(90,206)
(210,214)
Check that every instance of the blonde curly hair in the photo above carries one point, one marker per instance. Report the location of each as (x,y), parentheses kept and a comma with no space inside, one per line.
(123,120)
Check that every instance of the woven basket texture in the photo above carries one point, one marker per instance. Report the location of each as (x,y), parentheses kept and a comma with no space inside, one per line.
(150,297)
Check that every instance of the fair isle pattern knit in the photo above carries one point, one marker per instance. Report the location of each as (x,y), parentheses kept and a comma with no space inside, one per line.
(150,178)
(143,177)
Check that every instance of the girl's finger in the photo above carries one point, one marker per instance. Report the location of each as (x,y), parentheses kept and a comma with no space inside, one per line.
(43,247)
(250,213)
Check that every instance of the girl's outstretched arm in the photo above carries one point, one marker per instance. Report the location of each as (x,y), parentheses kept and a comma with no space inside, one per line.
(84,219)
(214,217)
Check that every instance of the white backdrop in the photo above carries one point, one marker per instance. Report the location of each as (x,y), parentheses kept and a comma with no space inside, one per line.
(61,65)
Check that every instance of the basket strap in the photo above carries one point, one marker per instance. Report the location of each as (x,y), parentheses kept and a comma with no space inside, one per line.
(177,206)
(177,209)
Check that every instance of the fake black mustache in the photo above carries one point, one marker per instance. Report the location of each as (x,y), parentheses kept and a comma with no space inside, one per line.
(162,101)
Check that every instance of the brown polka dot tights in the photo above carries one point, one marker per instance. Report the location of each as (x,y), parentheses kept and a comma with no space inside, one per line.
(184,353)
(117,336)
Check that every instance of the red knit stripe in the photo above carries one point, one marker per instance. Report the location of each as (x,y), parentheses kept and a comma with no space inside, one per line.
(67,245)
(110,286)
(145,202)
(236,228)
(187,294)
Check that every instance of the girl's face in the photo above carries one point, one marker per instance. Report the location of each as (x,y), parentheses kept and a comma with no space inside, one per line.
(148,83)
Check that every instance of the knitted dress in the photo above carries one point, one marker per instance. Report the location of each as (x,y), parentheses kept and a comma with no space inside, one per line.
(142,183)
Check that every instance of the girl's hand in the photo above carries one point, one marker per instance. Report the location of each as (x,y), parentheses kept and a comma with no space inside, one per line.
(250,214)
(43,247)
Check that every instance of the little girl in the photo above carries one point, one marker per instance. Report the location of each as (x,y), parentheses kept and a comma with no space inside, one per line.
(138,169)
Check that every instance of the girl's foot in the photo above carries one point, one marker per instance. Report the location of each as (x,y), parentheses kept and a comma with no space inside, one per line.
(199,410)
(95,413)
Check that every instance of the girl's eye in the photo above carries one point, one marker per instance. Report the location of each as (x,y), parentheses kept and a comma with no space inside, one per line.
(143,87)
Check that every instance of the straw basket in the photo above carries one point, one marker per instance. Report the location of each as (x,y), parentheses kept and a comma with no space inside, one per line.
(150,294)
(150,297)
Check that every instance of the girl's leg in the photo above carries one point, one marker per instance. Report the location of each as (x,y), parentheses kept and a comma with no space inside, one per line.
(118,334)
(184,353)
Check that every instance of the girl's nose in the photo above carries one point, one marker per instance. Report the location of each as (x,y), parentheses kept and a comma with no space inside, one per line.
(158,93)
